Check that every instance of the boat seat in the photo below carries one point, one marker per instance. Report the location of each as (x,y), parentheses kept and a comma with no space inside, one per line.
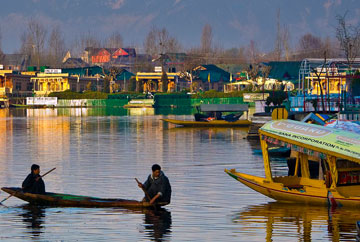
(295,186)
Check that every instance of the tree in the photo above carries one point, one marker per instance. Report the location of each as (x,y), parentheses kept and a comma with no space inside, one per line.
(310,46)
(253,72)
(56,47)
(265,71)
(84,41)
(164,81)
(109,79)
(285,40)
(132,84)
(206,39)
(0,43)
(349,39)
(278,42)
(253,55)
(114,41)
(27,47)
(318,79)
(37,33)
(159,42)
(206,43)
(282,40)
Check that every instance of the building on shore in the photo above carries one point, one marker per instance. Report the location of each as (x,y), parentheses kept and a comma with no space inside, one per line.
(16,62)
(209,77)
(152,81)
(46,83)
(15,84)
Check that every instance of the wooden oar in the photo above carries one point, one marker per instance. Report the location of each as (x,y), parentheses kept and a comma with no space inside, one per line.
(12,194)
(146,193)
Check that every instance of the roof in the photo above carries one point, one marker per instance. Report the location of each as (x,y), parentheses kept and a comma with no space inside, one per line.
(84,71)
(124,75)
(95,51)
(74,63)
(21,60)
(175,58)
(315,139)
(234,68)
(211,73)
(224,107)
(284,70)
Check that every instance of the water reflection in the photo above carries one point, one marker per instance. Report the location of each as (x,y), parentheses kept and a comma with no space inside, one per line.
(175,111)
(281,220)
(157,224)
(33,218)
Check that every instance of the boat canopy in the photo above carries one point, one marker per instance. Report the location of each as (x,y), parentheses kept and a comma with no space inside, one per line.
(313,139)
(224,107)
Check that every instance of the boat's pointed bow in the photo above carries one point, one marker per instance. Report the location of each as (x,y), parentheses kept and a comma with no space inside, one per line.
(231,173)
(10,190)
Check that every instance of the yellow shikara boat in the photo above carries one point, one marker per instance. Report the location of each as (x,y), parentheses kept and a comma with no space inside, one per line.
(335,153)
(215,118)
(211,123)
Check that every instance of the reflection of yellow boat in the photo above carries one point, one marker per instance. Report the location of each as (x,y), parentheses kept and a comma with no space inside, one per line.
(212,123)
(300,222)
(336,181)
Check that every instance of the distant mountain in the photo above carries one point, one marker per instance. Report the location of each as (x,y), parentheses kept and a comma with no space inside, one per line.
(234,22)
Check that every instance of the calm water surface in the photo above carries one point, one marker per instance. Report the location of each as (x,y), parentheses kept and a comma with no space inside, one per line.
(99,152)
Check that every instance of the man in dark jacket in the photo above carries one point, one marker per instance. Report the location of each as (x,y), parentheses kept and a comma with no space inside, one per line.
(33,183)
(157,186)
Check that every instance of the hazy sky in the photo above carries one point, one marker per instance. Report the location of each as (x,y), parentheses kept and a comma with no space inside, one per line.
(234,22)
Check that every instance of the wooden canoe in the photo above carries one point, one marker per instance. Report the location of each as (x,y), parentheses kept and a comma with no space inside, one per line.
(68,200)
(212,123)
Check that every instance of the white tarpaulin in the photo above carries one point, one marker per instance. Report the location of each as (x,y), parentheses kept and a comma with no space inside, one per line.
(345,125)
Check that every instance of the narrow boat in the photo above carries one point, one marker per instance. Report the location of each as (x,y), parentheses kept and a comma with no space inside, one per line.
(213,116)
(14,105)
(68,200)
(211,123)
(334,179)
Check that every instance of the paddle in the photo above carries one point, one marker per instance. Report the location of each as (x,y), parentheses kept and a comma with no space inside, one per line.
(12,194)
(146,193)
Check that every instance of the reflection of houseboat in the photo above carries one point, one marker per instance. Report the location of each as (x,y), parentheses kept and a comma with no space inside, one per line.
(301,223)
(336,181)
(213,115)
(4,102)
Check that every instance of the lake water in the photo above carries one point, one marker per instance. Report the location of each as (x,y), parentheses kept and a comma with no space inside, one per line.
(99,152)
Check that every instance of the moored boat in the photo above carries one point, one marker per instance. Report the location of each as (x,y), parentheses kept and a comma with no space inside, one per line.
(336,179)
(214,117)
(68,200)
(211,123)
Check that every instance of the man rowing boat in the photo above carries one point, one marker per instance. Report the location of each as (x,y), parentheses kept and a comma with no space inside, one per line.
(157,186)
(33,183)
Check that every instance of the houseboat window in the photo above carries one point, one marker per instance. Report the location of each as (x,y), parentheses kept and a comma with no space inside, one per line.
(18,86)
(348,172)
(73,87)
(29,86)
